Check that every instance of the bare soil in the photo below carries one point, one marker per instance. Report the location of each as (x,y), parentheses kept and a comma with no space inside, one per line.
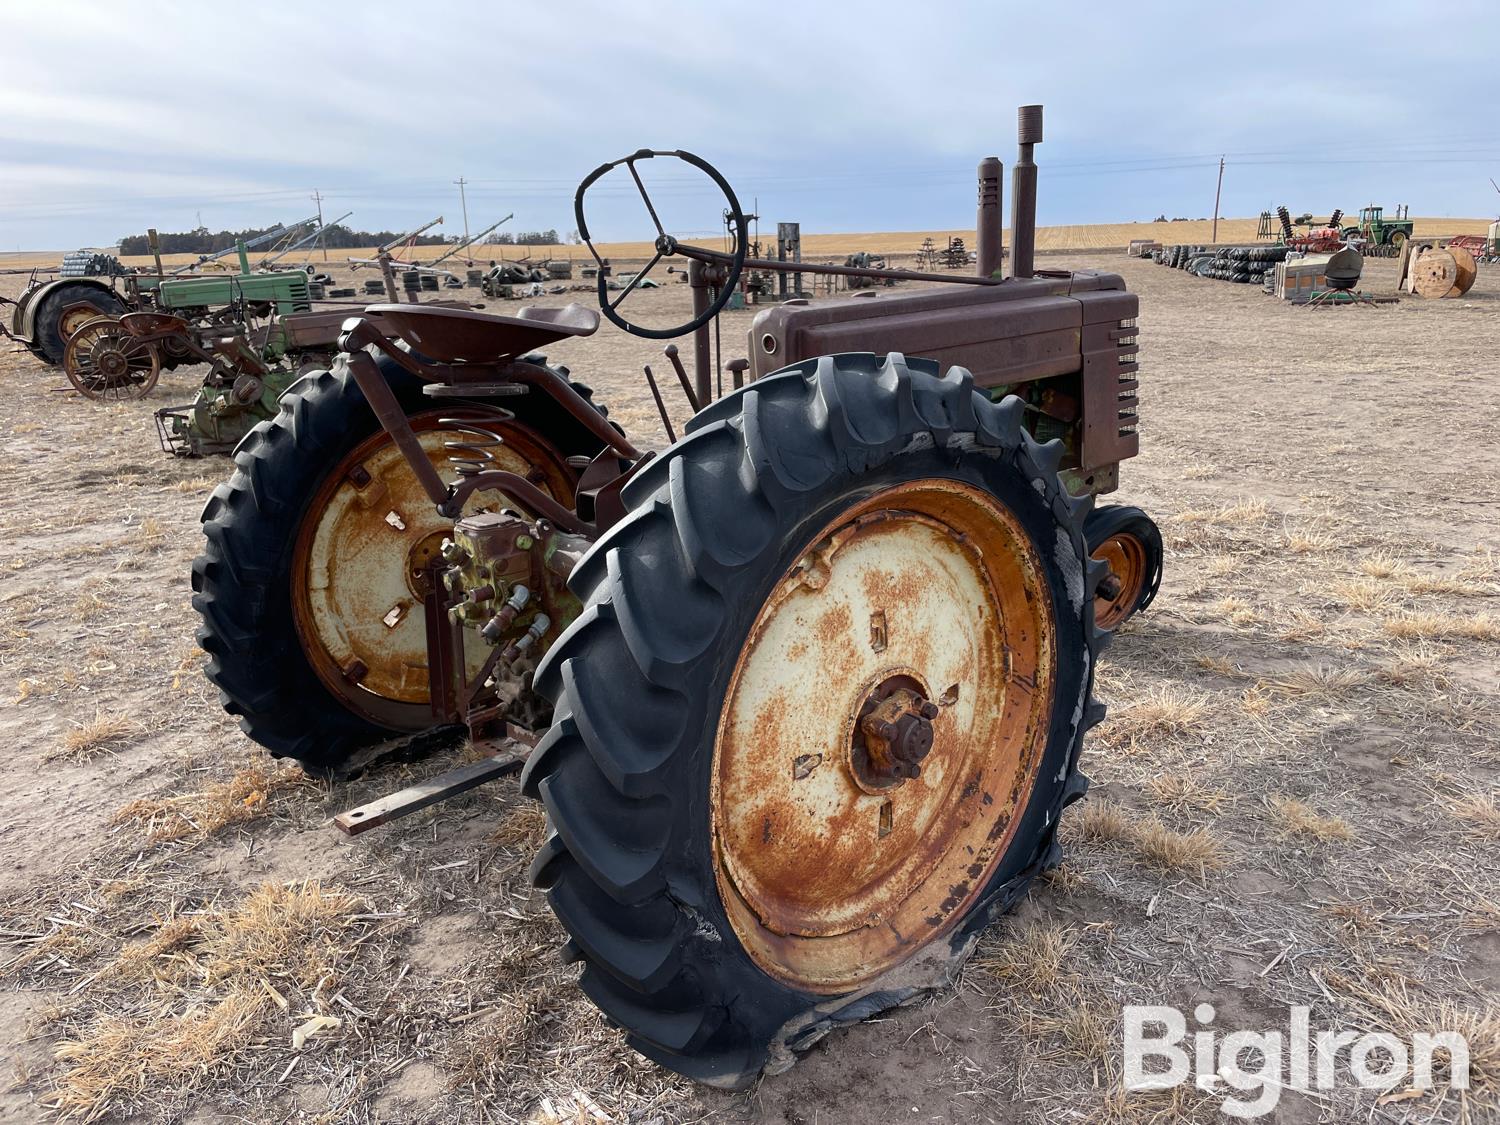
(1295,795)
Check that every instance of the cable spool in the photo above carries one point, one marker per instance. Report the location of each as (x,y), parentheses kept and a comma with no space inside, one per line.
(473,454)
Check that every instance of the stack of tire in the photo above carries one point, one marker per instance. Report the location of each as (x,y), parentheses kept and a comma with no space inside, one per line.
(1244,264)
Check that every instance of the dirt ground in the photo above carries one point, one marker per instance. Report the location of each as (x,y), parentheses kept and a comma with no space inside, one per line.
(1296,801)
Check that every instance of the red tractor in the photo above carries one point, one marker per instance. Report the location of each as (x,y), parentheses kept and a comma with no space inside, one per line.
(803,694)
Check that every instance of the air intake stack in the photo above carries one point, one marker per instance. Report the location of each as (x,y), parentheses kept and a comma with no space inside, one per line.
(1023,192)
(991,192)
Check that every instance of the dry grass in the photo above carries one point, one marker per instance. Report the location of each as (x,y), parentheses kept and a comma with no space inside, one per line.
(1164,714)
(1444,626)
(1218,665)
(1382,564)
(1418,665)
(90,605)
(1085,1026)
(1298,625)
(485,1058)
(1195,852)
(1480,811)
(161,957)
(198,994)
(1031,957)
(242,798)
(1239,514)
(1364,595)
(1315,682)
(1308,541)
(285,933)
(1236,611)
(101,735)
(1297,818)
(1183,792)
(119,1059)
(1098,822)
(1391,1006)
(524,826)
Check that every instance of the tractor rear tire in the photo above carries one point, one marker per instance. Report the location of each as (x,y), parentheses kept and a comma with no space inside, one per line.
(1129,542)
(714,825)
(48,339)
(265,620)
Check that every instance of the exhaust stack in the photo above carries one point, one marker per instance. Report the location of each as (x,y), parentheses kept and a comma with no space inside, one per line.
(1023,192)
(990,240)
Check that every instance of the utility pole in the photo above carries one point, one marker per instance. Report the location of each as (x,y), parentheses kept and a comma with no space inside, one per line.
(464,203)
(317,197)
(1215,236)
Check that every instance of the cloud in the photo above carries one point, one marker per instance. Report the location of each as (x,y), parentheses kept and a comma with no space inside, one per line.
(114,117)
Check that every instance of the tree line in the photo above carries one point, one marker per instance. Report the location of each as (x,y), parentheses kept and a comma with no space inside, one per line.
(205,241)
(337,237)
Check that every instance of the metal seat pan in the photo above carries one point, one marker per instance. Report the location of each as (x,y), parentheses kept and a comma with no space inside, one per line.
(152,323)
(464,336)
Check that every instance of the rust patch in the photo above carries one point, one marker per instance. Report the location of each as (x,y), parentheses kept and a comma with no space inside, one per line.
(821,877)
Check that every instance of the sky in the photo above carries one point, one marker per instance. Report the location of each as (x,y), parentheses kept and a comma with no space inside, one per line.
(845,115)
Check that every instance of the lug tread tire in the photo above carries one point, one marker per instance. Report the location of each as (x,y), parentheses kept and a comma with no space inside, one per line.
(241,580)
(665,592)
(1122,519)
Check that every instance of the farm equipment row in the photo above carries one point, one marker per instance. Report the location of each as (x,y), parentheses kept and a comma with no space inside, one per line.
(803,695)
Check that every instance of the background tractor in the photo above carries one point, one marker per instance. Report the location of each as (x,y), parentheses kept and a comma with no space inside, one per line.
(803,694)
(1374,229)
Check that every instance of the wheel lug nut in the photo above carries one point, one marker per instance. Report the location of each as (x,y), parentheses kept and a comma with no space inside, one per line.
(928,709)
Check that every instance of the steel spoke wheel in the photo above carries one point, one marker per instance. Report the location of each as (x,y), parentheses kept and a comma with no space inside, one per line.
(106,363)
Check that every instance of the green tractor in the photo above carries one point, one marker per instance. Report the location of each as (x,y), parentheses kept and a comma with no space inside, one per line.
(1375,229)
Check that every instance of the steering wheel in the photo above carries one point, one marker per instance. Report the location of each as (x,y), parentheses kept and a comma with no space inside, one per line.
(665,245)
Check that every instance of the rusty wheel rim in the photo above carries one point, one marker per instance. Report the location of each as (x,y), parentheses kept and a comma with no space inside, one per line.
(1126,556)
(827,878)
(361,619)
(75,317)
(106,363)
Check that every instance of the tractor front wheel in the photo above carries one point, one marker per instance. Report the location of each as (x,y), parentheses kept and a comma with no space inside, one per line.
(820,715)
(1129,542)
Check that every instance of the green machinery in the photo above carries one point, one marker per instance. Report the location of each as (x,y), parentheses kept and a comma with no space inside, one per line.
(1377,230)
(93,284)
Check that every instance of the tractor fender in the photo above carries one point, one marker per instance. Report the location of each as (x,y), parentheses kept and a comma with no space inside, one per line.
(23,321)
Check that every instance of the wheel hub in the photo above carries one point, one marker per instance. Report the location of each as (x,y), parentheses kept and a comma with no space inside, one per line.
(892,734)
(110,361)
(363,563)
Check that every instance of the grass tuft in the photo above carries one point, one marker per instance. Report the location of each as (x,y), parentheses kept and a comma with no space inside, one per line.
(1163,714)
(242,798)
(102,734)
(1444,626)
(1297,818)
(1481,811)
(1030,957)
(1194,852)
